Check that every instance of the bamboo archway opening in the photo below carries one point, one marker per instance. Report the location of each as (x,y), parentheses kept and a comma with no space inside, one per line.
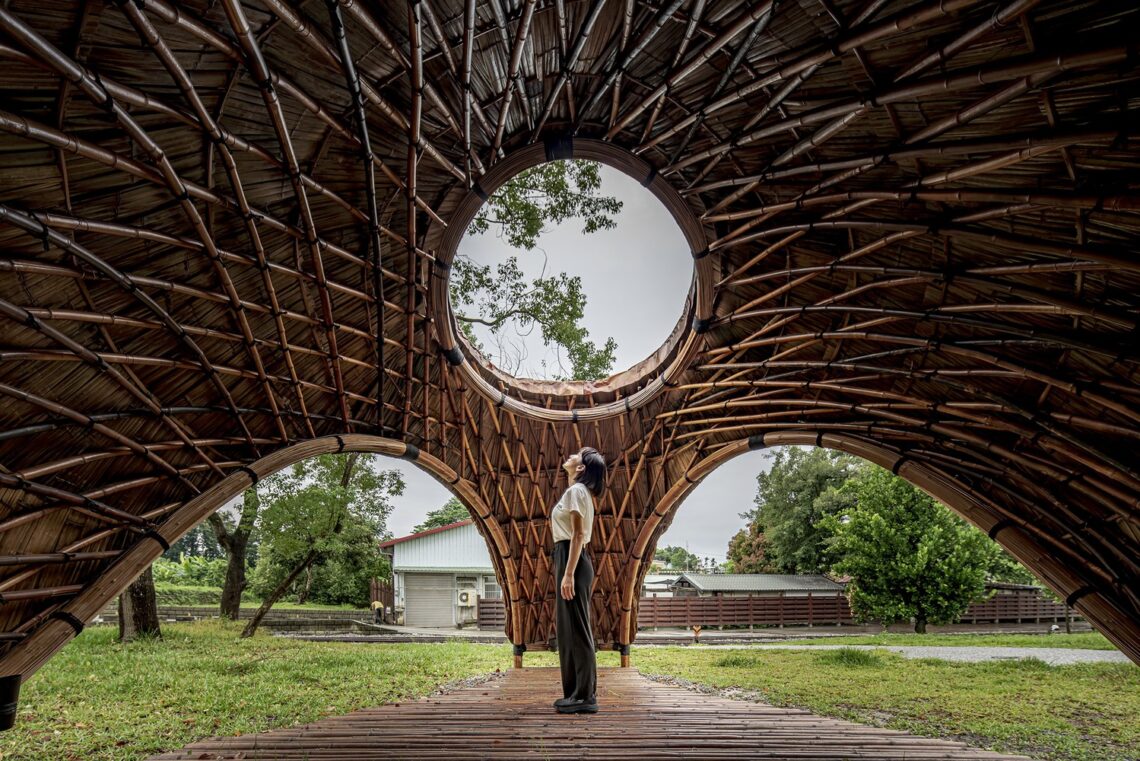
(32,651)
(1031,545)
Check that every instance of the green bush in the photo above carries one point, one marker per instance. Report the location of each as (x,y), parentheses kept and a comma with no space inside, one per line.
(181,594)
(190,571)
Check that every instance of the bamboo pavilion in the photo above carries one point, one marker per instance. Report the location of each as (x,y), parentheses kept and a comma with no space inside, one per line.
(226,229)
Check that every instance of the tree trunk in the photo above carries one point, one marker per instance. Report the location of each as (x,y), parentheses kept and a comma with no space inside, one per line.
(235,543)
(307,587)
(138,609)
(235,576)
(919,625)
(269,602)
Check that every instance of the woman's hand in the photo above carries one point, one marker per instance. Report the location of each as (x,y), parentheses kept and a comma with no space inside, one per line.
(567,589)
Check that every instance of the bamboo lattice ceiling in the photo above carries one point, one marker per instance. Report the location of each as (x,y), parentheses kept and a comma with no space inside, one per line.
(914,231)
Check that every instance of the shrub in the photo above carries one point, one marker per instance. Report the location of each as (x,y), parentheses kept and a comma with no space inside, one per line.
(190,571)
(182,594)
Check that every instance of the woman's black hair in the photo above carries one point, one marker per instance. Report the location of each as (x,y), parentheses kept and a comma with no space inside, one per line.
(594,475)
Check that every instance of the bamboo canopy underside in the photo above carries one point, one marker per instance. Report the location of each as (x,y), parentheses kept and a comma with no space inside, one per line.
(226,230)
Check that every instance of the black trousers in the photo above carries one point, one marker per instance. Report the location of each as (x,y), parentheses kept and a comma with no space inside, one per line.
(572,620)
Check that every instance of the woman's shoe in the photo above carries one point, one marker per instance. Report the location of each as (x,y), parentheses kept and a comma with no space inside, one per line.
(579,706)
(563,701)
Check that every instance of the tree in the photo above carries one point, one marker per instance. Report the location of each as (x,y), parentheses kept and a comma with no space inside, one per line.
(747,551)
(452,511)
(790,504)
(519,210)
(310,511)
(550,192)
(678,559)
(198,542)
(1005,568)
(138,609)
(908,556)
(234,538)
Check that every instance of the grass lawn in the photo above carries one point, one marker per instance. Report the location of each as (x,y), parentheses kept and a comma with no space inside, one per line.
(1086,712)
(98,699)
(1077,640)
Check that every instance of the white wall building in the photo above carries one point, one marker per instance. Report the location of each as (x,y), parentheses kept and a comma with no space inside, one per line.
(437,574)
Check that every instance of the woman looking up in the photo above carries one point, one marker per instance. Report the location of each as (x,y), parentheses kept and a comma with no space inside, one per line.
(572,524)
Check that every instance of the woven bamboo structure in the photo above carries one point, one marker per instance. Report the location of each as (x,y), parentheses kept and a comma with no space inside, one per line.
(226,230)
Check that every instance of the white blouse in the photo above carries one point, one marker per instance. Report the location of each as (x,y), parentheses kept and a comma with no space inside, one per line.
(575,499)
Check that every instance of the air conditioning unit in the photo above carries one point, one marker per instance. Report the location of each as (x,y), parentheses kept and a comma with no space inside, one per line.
(465,598)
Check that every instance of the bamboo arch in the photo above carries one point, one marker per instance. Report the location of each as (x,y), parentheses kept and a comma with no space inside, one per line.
(33,651)
(938,484)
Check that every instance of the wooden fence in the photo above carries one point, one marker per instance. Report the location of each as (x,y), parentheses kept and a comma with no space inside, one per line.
(811,609)
(1010,608)
(383,591)
(491,613)
(784,610)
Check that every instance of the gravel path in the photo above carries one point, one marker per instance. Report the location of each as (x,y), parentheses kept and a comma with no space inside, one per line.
(1052,656)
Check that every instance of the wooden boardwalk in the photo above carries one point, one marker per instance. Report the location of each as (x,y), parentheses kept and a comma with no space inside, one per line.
(511,717)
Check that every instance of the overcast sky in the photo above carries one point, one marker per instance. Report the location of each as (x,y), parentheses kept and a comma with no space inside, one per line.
(635,278)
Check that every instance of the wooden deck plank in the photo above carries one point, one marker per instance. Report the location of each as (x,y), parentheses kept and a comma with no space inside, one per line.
(511,717)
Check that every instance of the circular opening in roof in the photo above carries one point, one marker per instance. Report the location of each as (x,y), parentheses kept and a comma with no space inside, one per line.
(570,270)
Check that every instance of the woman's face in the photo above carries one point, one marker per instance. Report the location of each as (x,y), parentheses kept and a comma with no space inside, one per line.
(573,465)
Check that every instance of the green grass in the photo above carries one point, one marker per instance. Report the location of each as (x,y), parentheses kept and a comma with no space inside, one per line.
(849,656)
(97,699)
(104,701)
(1059,713)
(1078,640)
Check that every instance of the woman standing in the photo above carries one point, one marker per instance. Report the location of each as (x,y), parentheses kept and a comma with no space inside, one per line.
(572,524)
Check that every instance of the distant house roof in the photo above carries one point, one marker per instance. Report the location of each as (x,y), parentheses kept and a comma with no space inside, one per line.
(657,578)
(422,534)
(759,582)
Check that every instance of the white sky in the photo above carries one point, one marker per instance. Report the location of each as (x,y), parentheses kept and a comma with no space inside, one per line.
(635,278)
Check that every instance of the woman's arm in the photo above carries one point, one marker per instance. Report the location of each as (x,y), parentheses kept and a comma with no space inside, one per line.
(567,586)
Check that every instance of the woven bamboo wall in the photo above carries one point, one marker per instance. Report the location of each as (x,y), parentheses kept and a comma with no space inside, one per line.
(914,231)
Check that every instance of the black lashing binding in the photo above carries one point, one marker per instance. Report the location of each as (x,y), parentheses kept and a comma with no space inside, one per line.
(1077,594)
(70,619)
(9,699)
(454,356)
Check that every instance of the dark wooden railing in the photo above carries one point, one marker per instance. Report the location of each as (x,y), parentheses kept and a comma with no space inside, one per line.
(491,613)
(1018,607)
(812,609)
(382,590)
(744,610)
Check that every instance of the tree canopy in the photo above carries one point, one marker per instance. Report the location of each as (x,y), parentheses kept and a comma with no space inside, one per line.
(326,509)
(748,551)
(452,511)
(503,297)
(908,556)
(791,499)
(679,559)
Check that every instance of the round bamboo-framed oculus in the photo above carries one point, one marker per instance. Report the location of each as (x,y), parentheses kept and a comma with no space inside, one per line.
(635,386)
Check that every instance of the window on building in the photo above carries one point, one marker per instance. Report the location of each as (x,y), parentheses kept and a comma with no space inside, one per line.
(491,589)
